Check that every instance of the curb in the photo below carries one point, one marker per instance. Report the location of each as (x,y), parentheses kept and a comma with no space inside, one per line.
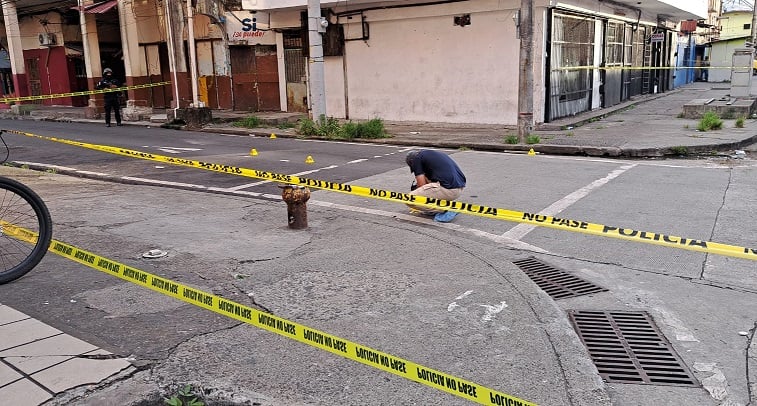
(568,150)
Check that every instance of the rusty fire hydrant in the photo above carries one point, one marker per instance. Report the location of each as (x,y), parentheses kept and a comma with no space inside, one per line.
(296,198)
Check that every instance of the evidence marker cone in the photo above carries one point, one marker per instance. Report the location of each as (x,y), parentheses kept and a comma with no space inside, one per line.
(254,152)
(309,160)
(273,136)
(531,152)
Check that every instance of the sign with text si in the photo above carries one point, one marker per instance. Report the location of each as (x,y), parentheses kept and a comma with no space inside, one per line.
(657,37)
(250,28)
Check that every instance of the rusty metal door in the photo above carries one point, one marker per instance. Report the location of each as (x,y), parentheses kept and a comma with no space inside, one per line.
(35,84)
(255,74)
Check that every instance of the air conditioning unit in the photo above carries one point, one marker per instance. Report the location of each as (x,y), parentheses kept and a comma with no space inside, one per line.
(46,38)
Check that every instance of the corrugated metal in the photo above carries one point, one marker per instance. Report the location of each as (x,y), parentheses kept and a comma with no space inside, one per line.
(98,8)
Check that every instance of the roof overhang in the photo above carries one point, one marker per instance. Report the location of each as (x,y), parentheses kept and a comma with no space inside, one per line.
(673,10)
(262,5)
(97,8)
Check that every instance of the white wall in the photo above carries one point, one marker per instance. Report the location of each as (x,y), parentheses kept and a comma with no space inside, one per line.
(418,67)
(721,59)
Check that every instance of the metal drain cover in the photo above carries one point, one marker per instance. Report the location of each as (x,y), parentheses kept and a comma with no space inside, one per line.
(627,347)
(557,283)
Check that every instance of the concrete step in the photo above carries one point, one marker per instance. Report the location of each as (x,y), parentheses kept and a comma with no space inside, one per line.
(159,118)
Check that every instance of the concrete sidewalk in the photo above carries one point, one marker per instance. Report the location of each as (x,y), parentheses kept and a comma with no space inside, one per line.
(647,126)
(38,361)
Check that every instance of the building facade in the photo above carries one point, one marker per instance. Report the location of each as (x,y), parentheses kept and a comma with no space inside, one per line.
(446,61)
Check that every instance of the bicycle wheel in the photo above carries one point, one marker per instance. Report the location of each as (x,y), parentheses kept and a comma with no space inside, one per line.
(25,229)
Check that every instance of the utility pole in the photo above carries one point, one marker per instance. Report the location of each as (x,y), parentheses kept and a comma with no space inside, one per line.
(315,61)
(192,52)
(753,36)
(526,77)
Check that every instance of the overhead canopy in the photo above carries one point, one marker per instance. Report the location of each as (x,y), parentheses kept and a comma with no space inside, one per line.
(98,8)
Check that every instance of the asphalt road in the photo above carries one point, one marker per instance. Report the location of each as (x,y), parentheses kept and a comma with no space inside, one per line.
(350,272)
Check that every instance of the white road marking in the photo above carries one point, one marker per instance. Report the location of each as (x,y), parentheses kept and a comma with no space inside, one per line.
(357,161)
(184,149)
(177,150)
(492,311)
(520,231)
(464,295)
(453,305)
(164,182)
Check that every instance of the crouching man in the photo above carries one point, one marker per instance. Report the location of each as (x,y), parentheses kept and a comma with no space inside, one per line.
(436,176)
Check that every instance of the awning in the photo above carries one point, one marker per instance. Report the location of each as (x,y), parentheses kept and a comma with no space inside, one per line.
(98,8)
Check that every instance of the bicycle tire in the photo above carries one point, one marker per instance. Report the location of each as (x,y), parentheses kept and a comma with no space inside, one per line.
(22,207)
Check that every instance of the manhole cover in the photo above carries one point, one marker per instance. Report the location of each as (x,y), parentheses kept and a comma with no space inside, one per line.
(557,283)
(627,347)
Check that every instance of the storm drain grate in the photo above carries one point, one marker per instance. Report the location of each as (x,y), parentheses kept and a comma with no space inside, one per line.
(627,347)
(557,283)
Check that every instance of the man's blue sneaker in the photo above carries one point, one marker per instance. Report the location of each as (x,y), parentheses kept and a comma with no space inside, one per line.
(445,217)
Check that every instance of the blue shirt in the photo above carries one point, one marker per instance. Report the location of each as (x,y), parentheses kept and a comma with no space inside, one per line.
(438,167)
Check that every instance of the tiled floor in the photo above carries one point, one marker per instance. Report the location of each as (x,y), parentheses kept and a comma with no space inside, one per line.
(38,361)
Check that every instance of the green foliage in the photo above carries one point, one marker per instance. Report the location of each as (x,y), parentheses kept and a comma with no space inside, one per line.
(680,150)
(248,122)
(511,139)
(332,129)
(710,120)
(740,122)
(533,139)
(184,397)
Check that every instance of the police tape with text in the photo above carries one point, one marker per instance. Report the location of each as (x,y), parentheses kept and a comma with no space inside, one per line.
(628,234)
(298,332)
(81,93)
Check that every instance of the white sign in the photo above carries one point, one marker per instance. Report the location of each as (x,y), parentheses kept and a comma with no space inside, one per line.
(657,37)
(272,4)
(243,26)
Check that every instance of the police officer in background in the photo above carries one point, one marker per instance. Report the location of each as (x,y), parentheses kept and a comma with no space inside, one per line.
(111,98)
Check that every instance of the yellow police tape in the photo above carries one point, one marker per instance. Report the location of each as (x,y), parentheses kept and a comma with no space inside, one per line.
(82,93)
(536,219)
(289,329)
(589,67)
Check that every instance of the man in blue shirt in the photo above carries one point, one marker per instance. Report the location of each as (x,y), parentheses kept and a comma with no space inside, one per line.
(436,176)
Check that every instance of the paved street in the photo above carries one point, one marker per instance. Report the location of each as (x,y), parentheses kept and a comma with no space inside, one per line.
(447,296)
(460,298)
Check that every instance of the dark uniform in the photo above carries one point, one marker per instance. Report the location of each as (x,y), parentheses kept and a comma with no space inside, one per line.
(111,98)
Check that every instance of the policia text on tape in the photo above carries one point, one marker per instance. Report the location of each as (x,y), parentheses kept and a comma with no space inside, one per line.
(289,329)
(565,224)
(82,93)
